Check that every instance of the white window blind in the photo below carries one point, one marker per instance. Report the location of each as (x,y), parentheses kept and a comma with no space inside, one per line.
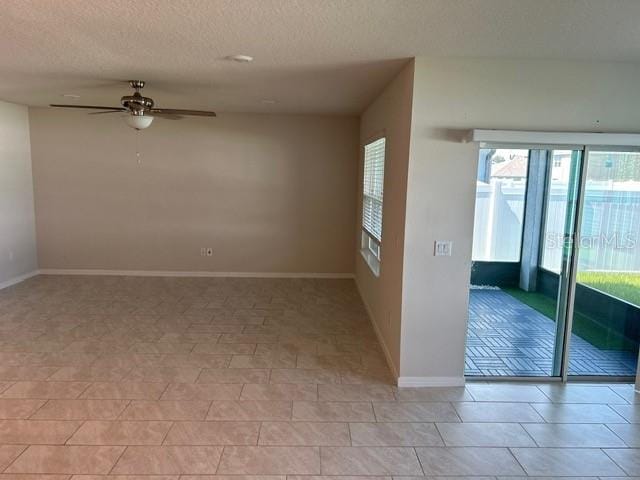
(373,188)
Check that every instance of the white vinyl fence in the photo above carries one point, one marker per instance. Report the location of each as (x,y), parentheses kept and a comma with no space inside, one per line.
(497,229)
(610,232)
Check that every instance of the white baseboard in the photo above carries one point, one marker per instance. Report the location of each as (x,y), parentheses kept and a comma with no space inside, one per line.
(172,273)
(18,279)
(385,350)
(430,382)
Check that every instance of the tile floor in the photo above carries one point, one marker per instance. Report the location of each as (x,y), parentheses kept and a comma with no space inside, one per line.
(142,378)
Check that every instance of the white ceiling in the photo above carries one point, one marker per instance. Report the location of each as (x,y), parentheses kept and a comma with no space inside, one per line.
(329,56)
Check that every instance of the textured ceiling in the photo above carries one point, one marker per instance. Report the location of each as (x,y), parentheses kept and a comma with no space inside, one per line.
(329,56)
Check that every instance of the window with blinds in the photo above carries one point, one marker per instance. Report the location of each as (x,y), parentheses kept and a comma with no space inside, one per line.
(373,183)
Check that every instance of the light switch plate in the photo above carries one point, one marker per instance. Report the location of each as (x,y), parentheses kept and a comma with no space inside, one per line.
(442,248)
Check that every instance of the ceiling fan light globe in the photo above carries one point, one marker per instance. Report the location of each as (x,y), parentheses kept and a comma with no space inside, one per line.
(139,122)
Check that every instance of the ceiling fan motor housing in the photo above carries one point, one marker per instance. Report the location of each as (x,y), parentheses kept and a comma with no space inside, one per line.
(136,103)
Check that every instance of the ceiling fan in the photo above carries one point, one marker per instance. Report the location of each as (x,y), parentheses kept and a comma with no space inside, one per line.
(140,109)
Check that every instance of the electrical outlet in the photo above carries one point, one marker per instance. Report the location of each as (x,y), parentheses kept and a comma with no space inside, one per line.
(203,252)
(442,248)
(209,252)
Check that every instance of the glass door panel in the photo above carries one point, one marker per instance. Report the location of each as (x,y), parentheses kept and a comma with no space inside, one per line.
(522,249)
(606,311)
(495,331)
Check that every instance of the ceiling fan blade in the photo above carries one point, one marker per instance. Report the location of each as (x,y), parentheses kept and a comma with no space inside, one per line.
(174,111)
(91,107)
(168,116)
(106,111)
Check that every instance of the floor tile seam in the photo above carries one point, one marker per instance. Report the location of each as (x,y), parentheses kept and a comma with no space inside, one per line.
(166,388)
(80,424)
(444,442)
(220,457)
(608,427)
(415,452)
(604,450)
(524,427)
(26,447)
(30,417)
(117,460)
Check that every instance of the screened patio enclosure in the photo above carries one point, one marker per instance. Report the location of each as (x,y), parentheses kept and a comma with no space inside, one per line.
(555,280)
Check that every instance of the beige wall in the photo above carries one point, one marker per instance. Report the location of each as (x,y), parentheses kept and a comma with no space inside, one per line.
(388,115)
(17,227)
(451,95)
(269,193)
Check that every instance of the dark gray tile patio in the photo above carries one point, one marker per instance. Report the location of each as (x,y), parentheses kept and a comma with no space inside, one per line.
(508,338)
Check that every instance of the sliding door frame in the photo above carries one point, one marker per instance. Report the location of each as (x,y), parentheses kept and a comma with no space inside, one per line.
(573,265)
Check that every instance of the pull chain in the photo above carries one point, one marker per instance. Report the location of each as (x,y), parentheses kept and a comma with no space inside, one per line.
(138,147)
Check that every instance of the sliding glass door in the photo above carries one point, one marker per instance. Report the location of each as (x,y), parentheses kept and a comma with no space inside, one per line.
(555,281)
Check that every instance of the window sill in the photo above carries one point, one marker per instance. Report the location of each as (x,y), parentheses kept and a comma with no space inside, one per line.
(371,260)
